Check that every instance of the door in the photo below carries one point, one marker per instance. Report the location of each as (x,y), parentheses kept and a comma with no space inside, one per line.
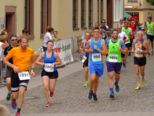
(110,13)
(10,20)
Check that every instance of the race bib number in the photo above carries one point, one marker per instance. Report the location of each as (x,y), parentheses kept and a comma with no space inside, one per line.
(24,75)
(48,68)
(113,58)
(96,57)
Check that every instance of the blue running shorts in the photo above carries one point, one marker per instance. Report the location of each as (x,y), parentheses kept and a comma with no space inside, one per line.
(97,69)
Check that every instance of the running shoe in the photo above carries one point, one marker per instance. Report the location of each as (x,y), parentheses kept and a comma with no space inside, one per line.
(143,83)
(90,95)
(117,88)
(111,91)
(13,104)
(138,87)
(85,84)
(111,95)
(48,104)
(94,97)
(8,97)
(18,114)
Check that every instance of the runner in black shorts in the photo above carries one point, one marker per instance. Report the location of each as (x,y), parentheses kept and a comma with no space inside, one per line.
(13,43)
(22,68)
(140,49)
(16,82)
(140,61)
(85,57)
(49,59)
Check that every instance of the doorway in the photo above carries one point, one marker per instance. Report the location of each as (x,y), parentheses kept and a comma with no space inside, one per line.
(110,13)
(10,20)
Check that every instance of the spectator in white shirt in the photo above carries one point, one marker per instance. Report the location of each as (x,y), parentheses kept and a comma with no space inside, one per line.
(122,35)
(47,36)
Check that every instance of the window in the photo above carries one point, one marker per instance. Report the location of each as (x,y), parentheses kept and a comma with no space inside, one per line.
(29,16)
(83,14)
(101,12)
(90,14)
(118,10)
(133,1)
(75,14)
(45,15)
(98,11)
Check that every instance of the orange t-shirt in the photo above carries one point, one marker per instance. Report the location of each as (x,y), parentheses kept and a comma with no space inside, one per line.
(21,59)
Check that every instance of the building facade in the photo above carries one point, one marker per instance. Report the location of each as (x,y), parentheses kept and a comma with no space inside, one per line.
(140,8)
(69,17)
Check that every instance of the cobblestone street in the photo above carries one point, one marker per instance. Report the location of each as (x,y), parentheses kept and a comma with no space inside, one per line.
(71,97)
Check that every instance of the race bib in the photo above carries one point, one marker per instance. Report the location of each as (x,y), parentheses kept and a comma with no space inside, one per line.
(113,58)
(138,53)
(96,57)
(150,32)
(48,68)
(24,75)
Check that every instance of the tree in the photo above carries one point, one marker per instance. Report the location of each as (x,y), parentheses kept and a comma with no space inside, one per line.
(151,2)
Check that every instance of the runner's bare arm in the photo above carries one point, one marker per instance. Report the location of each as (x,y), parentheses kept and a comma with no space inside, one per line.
(6,61)
(39,58)
(146,50)
(58,60)
(81,49)
(88,49)
(33,63)
(123,50)
(7,58)
(104,51)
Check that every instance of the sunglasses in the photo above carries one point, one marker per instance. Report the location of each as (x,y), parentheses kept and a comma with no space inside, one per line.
(13,39)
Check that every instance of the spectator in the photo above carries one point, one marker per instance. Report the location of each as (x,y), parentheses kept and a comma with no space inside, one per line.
(105,28)
(120,24)
(48,36)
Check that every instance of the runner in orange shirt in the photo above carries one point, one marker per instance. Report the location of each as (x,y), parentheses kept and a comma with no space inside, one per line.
(22,56)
